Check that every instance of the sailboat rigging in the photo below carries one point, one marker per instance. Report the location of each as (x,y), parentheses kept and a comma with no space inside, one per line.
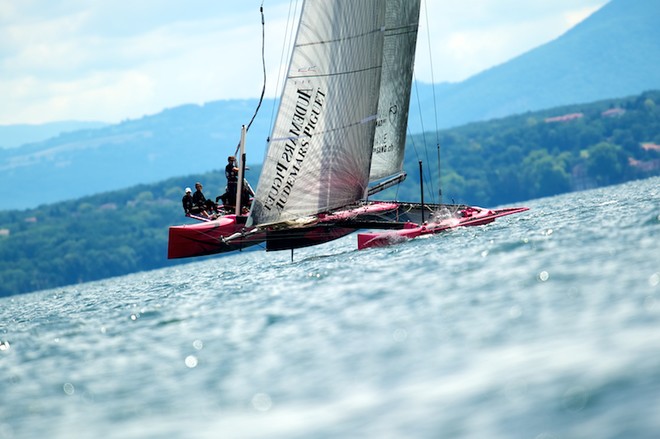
(341,126)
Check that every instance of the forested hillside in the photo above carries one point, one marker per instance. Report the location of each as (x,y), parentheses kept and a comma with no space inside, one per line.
(93,237)
(539,154)
(492,163)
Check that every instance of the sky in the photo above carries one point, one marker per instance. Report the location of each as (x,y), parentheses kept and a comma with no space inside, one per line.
(112,60)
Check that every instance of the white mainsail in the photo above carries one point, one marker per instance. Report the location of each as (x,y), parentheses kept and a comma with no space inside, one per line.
(401,25)
(330,122)
(320,149)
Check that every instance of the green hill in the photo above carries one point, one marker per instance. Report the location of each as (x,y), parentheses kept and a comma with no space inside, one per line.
(488,164)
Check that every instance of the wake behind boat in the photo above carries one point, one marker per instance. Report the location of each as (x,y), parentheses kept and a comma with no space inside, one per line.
(341,127)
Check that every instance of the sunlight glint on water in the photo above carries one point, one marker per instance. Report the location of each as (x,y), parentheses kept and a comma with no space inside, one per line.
(544,324)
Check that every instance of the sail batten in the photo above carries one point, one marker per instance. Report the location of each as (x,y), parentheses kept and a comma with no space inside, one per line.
(315,43)
(308,76)
(365,120)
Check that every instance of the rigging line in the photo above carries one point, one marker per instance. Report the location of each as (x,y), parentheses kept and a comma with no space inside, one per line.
(288,35)
(435,101)
(263,64)
(411,138)
(435,104)
(426,149)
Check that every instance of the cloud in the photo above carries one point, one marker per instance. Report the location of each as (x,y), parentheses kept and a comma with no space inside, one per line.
(112,60)
(470,36)
(573,17)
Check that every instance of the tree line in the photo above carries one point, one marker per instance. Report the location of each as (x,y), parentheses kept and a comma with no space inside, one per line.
(489,164)
(538,154)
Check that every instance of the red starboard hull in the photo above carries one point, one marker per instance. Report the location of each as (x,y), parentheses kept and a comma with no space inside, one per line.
(471,216)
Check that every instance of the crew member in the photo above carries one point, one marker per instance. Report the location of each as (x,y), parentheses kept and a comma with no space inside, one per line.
(200,203)
(231,172)
(187,201)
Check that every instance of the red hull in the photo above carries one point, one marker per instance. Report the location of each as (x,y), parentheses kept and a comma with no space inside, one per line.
(209,237)
(471,216)
(206,238)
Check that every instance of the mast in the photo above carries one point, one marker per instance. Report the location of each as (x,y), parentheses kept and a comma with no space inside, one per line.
(241,172)
(439,176)
(421,187)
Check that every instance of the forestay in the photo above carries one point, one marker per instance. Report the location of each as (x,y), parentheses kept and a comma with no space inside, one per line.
(320,149)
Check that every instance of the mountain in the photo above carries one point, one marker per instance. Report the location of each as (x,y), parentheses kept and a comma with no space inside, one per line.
(12,136)
(183,140)
(613,53)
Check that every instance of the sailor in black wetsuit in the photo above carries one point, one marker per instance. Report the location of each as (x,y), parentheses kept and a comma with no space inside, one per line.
(187,201)
(200,203)
(231,172)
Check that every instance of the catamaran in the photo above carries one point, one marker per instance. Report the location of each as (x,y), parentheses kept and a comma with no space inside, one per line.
(338,139)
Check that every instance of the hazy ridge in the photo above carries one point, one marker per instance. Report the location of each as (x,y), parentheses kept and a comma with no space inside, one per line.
(613,53)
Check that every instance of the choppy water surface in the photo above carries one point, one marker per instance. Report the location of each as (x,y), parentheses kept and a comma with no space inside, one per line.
(541,325)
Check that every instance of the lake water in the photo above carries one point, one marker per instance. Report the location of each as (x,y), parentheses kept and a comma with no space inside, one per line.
(542,325)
